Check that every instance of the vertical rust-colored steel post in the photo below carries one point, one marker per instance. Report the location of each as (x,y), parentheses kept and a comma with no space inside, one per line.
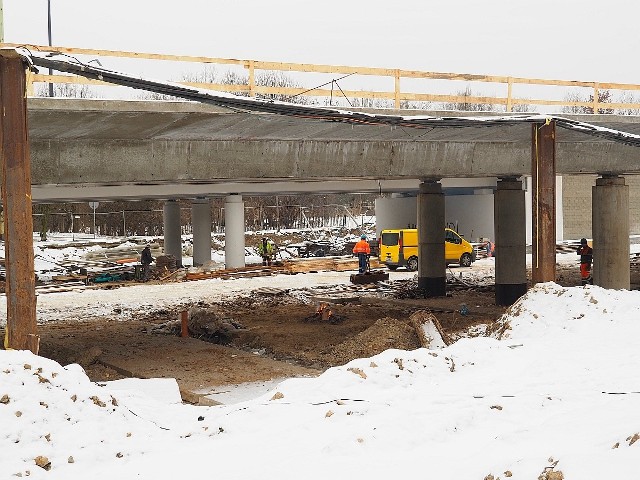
(184,324)
(543,175)
(16,200)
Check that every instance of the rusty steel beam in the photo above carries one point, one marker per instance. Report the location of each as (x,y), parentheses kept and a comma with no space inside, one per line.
(543,175)
(21,331)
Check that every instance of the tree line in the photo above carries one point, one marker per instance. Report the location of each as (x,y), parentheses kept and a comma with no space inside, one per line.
(145,217)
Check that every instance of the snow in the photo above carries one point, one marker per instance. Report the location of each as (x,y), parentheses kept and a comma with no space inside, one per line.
(554,388)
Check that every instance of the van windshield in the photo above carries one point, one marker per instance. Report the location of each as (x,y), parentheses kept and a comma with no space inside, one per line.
(390,239)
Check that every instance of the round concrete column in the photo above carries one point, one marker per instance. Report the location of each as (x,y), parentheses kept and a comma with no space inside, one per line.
(201,221)
(234,232)
(610,221)
(432,269)
(172,239)
(395,212)
(511,241)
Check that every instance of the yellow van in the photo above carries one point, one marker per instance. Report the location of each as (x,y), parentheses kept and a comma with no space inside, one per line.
(399,248)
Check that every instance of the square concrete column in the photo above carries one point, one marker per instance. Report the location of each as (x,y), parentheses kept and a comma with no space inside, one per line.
(234,232)
(511,241)
(172,238)
(610,222)
(201,221)
(432,269)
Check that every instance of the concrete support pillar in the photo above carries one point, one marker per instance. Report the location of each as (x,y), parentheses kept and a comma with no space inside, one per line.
(543,179)
(610,221)
(201,221)
(234,232)
(511,241)
(395,212)
(432,268)
(172,239)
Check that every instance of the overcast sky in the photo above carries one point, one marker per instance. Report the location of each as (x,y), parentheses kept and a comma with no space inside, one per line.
(559,39)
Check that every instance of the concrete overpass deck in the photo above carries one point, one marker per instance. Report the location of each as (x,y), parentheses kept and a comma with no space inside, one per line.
(101,149)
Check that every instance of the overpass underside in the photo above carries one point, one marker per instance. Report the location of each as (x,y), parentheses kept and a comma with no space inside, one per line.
(236,145)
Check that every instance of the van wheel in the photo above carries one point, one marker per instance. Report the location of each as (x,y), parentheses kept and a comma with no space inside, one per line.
(465,260)
(412,264)
(393,268)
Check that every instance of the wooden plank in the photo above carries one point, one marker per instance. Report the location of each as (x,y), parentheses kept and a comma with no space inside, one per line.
(16,199)
(126,54)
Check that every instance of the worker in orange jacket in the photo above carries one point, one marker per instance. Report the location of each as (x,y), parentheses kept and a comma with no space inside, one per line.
(586,258)
(363,250)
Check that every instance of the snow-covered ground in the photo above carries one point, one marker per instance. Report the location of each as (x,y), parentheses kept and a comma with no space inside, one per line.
(556,389)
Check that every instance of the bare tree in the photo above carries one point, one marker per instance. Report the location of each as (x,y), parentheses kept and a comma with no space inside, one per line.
(66,90)
(468,106)
(416,105)
(604,96)
(573,97)
(271,78)
(522,108)
(628,97)
(362,102)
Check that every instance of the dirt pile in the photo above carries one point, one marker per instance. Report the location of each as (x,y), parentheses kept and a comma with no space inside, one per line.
(385,333)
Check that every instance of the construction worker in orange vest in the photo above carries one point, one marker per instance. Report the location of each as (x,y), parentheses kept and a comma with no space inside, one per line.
(363,250)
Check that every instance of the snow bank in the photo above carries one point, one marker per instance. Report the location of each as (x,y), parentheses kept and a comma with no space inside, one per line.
(558,390)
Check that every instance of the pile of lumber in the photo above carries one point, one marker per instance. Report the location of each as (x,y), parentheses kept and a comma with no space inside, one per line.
(251,271)
(69,286)
(335,264)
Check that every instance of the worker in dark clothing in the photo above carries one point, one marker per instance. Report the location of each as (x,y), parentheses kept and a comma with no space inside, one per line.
(146,260)
(586,258)
(362,249)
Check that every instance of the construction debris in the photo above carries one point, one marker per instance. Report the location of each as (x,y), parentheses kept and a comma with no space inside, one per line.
(204,323)
(429,331)
(324,313)
(166,263)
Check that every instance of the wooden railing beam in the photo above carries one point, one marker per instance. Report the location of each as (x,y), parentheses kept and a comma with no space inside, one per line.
(396,95)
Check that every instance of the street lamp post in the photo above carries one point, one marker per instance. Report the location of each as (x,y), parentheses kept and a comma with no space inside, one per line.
(50,44)
(93,206)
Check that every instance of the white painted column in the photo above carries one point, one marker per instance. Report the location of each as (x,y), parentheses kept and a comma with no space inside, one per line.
(201,221)
(395,212)
(234,232)
(172,239)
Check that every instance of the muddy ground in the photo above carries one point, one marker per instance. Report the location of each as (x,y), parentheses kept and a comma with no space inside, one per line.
(266,335)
